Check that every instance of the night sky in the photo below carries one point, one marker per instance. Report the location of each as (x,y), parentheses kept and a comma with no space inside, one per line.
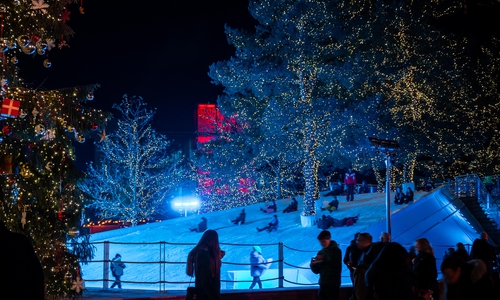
(161,51)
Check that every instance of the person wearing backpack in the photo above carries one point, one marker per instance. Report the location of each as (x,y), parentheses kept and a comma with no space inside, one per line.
(117,270)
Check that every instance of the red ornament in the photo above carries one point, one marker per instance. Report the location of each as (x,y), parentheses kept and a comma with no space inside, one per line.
(61,215)
(10,108)
(94,127)
(7,130)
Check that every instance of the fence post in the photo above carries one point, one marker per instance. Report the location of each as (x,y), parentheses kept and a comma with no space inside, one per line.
(280,264)
(105,268)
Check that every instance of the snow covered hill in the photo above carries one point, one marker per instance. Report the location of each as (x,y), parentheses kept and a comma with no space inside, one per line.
(370,207)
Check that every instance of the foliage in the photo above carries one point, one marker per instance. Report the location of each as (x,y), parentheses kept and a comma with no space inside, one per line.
(135,171)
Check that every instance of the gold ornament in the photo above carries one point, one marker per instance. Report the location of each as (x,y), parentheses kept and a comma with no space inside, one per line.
(103,136)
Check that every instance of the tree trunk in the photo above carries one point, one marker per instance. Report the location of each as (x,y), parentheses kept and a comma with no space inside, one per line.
(278,181)
(310,171)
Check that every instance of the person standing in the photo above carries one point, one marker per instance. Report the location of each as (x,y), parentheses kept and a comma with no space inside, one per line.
(258,266)
(20,270)
(117,267)
(369,252)
(483,250)
(204,262)
(350,183)
(424,267)
(351,257)
(328,264)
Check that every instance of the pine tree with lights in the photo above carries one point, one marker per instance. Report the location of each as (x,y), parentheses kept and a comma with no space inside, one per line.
(136,170)
(286,82)
(39,197)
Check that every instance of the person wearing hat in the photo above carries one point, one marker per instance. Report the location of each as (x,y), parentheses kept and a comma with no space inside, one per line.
(240,219)
(117,270)
(258,265)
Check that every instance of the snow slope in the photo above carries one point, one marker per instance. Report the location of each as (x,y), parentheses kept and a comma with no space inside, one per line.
(370,207)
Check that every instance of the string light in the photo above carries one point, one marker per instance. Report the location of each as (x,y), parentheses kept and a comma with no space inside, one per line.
(316,78)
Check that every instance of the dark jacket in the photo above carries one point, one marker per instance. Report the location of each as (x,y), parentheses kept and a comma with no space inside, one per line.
(352,253)
(330,268)
(323,223)
(274,224)
(425,271)
(399,198)
(204,279)
(202,226)
(481,249)
(409,196)
(241,218)
(20,270)
(474,283)
(369,255)
(461,253)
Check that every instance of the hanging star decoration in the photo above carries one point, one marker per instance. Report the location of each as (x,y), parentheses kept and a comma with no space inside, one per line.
(103,136)
(82,11)
(78,285)
(65,15)
(34,112)
(39,5)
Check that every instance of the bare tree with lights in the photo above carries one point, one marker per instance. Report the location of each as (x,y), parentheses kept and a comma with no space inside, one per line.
(136,170)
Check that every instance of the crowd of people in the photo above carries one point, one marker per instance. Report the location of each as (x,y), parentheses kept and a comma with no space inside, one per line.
(386,270)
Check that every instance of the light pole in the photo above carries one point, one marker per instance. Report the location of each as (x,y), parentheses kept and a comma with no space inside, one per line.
(390,149)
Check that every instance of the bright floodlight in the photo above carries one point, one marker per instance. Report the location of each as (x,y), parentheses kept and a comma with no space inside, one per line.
(186,203)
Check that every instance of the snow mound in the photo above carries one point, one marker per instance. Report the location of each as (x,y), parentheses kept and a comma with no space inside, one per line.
(141,251)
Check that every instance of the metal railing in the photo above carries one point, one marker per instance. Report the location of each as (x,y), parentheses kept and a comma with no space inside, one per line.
(471,185)
(167,268)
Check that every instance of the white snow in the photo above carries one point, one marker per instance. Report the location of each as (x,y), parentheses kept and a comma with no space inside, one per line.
(370,207)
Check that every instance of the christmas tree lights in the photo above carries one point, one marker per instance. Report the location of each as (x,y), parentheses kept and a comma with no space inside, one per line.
(38,178)
(136,170)
(316,78)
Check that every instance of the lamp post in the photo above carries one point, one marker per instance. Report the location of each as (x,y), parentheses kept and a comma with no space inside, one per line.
(389,149)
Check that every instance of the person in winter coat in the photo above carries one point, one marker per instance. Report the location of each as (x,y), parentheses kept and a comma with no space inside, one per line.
(333,205)
(399,196)
(391,275)
(364,188)
(424,267)
(204,262)
(270,208)
(272,226)
(461,252)
(117,270)
(292,206)
(408,195)
(240,220)
(202,226)
(351,257)
(483,250)
(350,182)
(467,280)
(323,223)
(20,270)
(258,265)
(328,264)
(369,252)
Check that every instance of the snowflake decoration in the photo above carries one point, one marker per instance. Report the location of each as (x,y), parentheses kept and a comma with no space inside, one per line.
(51,43)
(78,285)
(39,5)
(65,15)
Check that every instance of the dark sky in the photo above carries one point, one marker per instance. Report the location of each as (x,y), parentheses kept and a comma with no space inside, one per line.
(160,50)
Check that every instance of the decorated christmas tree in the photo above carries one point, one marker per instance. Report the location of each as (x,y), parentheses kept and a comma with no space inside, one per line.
(39,197)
